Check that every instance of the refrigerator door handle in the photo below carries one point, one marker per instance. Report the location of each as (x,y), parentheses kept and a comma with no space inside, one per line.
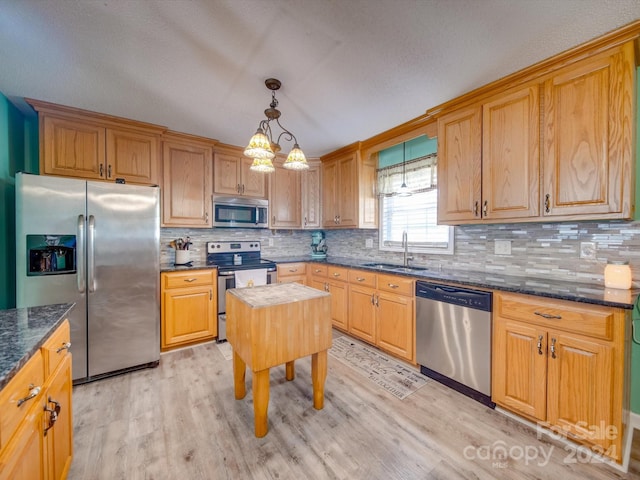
(91,259)
(81,274)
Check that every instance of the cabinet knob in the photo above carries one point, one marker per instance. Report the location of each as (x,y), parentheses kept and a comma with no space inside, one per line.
(33,392)
(65,346)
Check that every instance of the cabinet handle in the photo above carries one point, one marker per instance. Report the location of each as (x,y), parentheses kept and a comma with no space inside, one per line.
(318,270)
(242,188)
(305,220)
(484,208)
(293,270)
(547,203)
(33,392)
(190,280)
(210,294)
(336,274)
(377,300)
(274,219)
(475,209)
(339,219)
(206,217)
(65,346)
(238,187)
(326,287)
(360,279)
(101,170)
(109,171)
(548,315)
(392,285)
(553,348)
(539,345)
(53,417)
(373,299)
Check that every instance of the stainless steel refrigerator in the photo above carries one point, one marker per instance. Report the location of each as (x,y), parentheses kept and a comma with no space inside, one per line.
(96,244)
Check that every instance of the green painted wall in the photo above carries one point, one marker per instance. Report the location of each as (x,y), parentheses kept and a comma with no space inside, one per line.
(18,152)
(417,147)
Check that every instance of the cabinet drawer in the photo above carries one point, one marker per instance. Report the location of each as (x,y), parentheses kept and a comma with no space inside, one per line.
(584,319)
(290,269)
(396,284)
(56,348)
(16,391)
(338,273)
(187,279)
(362,277)
(319,270)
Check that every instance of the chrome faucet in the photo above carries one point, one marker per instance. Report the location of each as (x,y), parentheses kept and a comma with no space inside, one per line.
(405,246)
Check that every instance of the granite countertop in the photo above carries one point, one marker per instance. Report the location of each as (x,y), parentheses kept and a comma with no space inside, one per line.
(195,265)
(577,292)
(23,331)
(276,294)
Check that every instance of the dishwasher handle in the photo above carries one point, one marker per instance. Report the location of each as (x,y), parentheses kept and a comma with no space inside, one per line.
(465,297)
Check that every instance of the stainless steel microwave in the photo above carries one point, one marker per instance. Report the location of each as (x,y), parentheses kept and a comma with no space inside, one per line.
(240,212)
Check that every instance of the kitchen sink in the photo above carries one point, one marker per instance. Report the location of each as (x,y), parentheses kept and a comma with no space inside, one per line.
(391,266)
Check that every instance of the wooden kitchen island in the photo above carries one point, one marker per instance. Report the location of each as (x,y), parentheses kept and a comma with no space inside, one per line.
(274,324)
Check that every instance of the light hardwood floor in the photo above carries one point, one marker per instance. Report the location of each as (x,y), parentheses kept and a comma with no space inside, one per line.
(181,421)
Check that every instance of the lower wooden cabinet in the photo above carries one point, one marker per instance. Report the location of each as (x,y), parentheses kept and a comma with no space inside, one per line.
(189,308)
(381,311)
(561,364)
(333,279)
(36,430)
(292,272)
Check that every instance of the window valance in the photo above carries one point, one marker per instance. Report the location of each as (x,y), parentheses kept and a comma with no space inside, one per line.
(420,175)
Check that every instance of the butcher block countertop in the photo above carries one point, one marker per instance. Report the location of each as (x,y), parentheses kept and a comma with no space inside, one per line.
(276,294)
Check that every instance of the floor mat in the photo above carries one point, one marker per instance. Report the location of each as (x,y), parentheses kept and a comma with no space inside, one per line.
(396,378)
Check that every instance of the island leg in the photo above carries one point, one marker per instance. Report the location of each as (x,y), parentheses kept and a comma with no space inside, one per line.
(261,401)
(290,370)
(239,369)
(318,377)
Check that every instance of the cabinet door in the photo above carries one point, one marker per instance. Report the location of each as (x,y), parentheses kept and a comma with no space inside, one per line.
(362,318)
(348,191)
(188,314)
(132,156)
(72,148)
(59,435)
(226,174)
(329,194)
(519,368)
(587,157)
(253,184)
(339,304)
(284,198)
(187,185)
(460,166)
(395,324)
(511,155)
(580,385)
(311,197)
(23,457)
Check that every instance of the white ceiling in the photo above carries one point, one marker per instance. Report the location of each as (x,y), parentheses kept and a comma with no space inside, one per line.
(350,68)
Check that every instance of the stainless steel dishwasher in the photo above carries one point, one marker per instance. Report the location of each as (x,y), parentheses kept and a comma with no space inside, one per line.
(453,338)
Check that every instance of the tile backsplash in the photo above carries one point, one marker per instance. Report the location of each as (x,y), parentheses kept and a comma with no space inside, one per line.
(538,250)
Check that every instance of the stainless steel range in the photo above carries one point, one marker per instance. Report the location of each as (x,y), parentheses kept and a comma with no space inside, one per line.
(232,257)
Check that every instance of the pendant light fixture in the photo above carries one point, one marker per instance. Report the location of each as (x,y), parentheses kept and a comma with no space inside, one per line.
(263,149)
(404,190)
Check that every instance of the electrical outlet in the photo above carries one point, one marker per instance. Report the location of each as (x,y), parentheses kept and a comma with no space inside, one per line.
(588,250)
(502,247)
(271,242)
(368,243)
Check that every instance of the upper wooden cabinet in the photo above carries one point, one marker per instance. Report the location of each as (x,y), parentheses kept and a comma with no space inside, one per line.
(232,175)
(496,163)
(588,132)
(187,171)
(348,199)
(311,194)
(284,197)
(94,146)
(489,161)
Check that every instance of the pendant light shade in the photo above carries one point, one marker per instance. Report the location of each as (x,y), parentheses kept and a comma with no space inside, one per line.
(262,147)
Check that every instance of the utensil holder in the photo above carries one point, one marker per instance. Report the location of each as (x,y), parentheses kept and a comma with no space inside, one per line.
(182,257)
